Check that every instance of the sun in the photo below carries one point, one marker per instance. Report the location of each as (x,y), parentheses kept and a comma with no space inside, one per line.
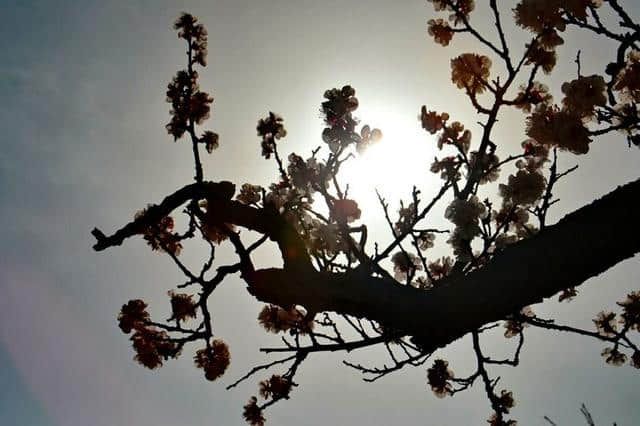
(392,166)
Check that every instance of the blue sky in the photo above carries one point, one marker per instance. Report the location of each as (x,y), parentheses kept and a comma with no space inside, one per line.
(84,145)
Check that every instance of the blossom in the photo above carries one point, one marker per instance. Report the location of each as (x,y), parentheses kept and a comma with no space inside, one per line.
(495,420)
(431,121)
(405,264)
(269,129)
(550,126)
(275,387)
(345,210)
(195,34)
(406,218)
(274,319)
(537,156)
(440,30)
(133,315)
(583,94)
(368,137)
(152,346)
(253,413)
(249,194)
(524,188)
(488,166)
(439,376)
(465,215)
(613,356)
(628,79)
(447,167)
(441,267)
(635,359)
(160,236)
(506,401)
(537,54)
(426,240)
(606,323)
(537,94)
(538,15)
(183,306)
(214,359)
(514,327)
(568,294)
(210,141)
(455,134)
(470,71)
(631,310)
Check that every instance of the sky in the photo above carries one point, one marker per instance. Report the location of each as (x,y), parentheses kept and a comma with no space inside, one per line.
(83,112)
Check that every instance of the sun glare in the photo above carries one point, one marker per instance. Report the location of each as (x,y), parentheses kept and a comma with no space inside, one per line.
(392,166)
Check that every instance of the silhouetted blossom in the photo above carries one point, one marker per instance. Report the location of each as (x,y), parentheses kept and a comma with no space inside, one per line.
(249,194)
(550,126)
(583,94)
(183,306)
(628,79)
(495,420)
(470,71)
(275,387)
(606,323)
(524,188)
(133,315)
(440,30)
(513,327)
(275,319)
(152,346)
(631,310)
(270,129)
(210,140)
(405,264)
(614,357)
(537,94)
(214,360)
(253,413)
(431,121)
(506,401)
(439,376)
(345,211)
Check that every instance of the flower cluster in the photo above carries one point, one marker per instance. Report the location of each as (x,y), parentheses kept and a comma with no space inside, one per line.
(253,413)
(404,265)
(431,121)
(195,34)
(160,236)
(613,356)
(275,387)
(368,137)
(583,94)
(523,189)
(269,129)
(496,420)
(345,211)
(461,9)
(561,128)
(274,319)
(536,94)
(439,376)
(336,110)
(183,306)
(486,164)
(448,167)
(513,327)
(455,134)
(307,175)
(214,359)
(505,401)
(440,268)
(630,316)
(440,30)
(470,71)
(133,315)
(249,194)
(152,347)
(628,79)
